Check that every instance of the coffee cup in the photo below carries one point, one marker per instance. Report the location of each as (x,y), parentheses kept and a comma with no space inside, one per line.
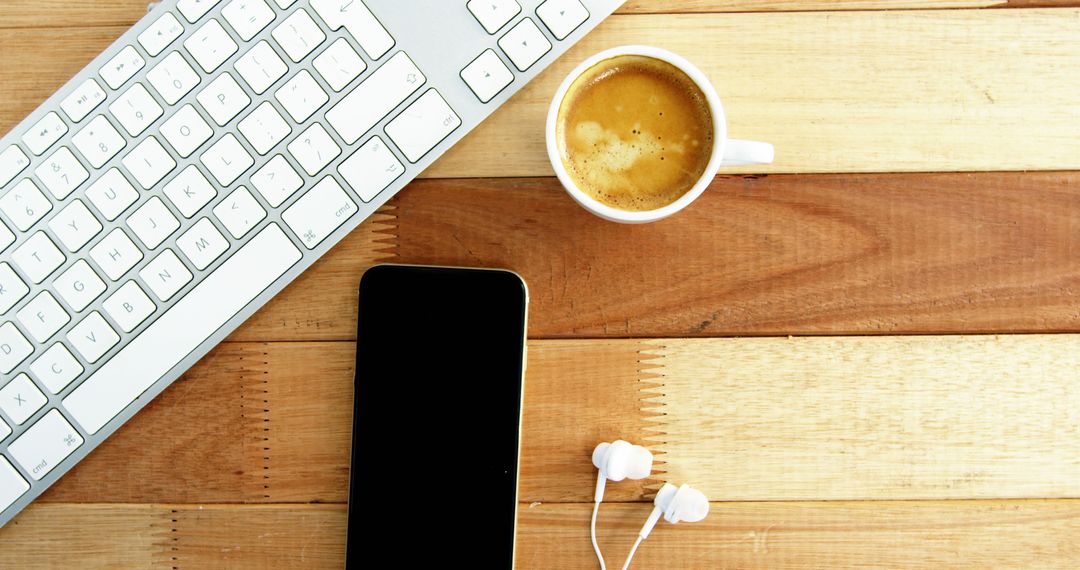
(724,151)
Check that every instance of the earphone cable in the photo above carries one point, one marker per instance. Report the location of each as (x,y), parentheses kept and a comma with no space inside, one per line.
(596,547)
(630,557)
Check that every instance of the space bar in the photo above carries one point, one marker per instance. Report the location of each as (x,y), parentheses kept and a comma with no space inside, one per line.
(182,329)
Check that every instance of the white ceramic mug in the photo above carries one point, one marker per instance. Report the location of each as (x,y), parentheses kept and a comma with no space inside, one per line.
(726,152)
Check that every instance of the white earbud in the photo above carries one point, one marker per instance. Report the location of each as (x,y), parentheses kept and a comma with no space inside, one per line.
(616,461)
(676,505)
(620,460)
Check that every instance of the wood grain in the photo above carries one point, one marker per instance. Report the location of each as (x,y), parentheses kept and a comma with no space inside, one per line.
(747,419)
(836,91)
(910,417)
(60,13)
(881,534)
(272,422)
(823,254)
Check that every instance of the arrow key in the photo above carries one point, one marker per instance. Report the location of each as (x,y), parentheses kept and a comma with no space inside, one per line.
(525,44)
(487,76)
(562,17)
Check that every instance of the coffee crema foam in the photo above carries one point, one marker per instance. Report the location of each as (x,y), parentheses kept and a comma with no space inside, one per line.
(635,132)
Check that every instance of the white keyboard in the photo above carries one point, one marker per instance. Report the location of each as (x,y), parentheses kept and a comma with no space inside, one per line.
(201,163)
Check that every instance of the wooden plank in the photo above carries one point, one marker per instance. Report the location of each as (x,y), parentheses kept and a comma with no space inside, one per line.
(943,417)
(996,82)
(272,423)
(175,537)
(59,13)
(938,535)
(773,255)
(832,254)
(746,419)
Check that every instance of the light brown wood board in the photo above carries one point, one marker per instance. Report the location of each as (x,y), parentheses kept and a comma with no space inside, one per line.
(786,535)
(949,417)
(62,14)
(872,91)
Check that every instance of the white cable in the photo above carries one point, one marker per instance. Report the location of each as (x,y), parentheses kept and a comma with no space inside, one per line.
(632,551)
(596,546)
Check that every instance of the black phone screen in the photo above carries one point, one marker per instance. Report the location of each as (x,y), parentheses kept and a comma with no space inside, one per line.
(436,428)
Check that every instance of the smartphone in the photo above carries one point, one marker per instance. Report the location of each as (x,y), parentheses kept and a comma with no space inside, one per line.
(440,370)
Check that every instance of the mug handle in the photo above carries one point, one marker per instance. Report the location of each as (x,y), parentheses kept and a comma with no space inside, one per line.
(738,152)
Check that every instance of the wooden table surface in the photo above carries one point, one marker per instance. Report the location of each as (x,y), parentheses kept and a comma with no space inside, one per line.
(797,343)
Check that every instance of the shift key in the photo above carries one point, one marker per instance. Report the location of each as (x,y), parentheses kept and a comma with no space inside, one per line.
(45,445)
(319,212)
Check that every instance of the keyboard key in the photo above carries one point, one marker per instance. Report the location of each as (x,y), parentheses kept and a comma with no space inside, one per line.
(283,4)
(56,368)
(149,163)
(264,128)
(248,17)
(371,169)
(12,162)
(190,191)
(210,45)
(160,34)
(99,142)
(165,275)
(37,257)
(562,17)
(301,96)
(122,67)
(25,204)
(494,14)
(45,445)
(195,9)
(339,64)
(173,78)
(487,76)
(240,212)
(202,244)
(525,44)
(116,254)
(79,285)
(43,316)
(112,194)
(129,306)
(276,181)
(5,431)
(75,225)
(186,131)
(12,485)
(355,17)
(298,35)
(12,288)
(6,238)
(181,330)
(136,109)
(93,337)
(44,134)
(14,348)
(261,67)
(227,160)
(223,99)
(20,398)
(319,212)
(62,173)
(375,97)
(423,125)
(83,100)
(153,222)
(314,149)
